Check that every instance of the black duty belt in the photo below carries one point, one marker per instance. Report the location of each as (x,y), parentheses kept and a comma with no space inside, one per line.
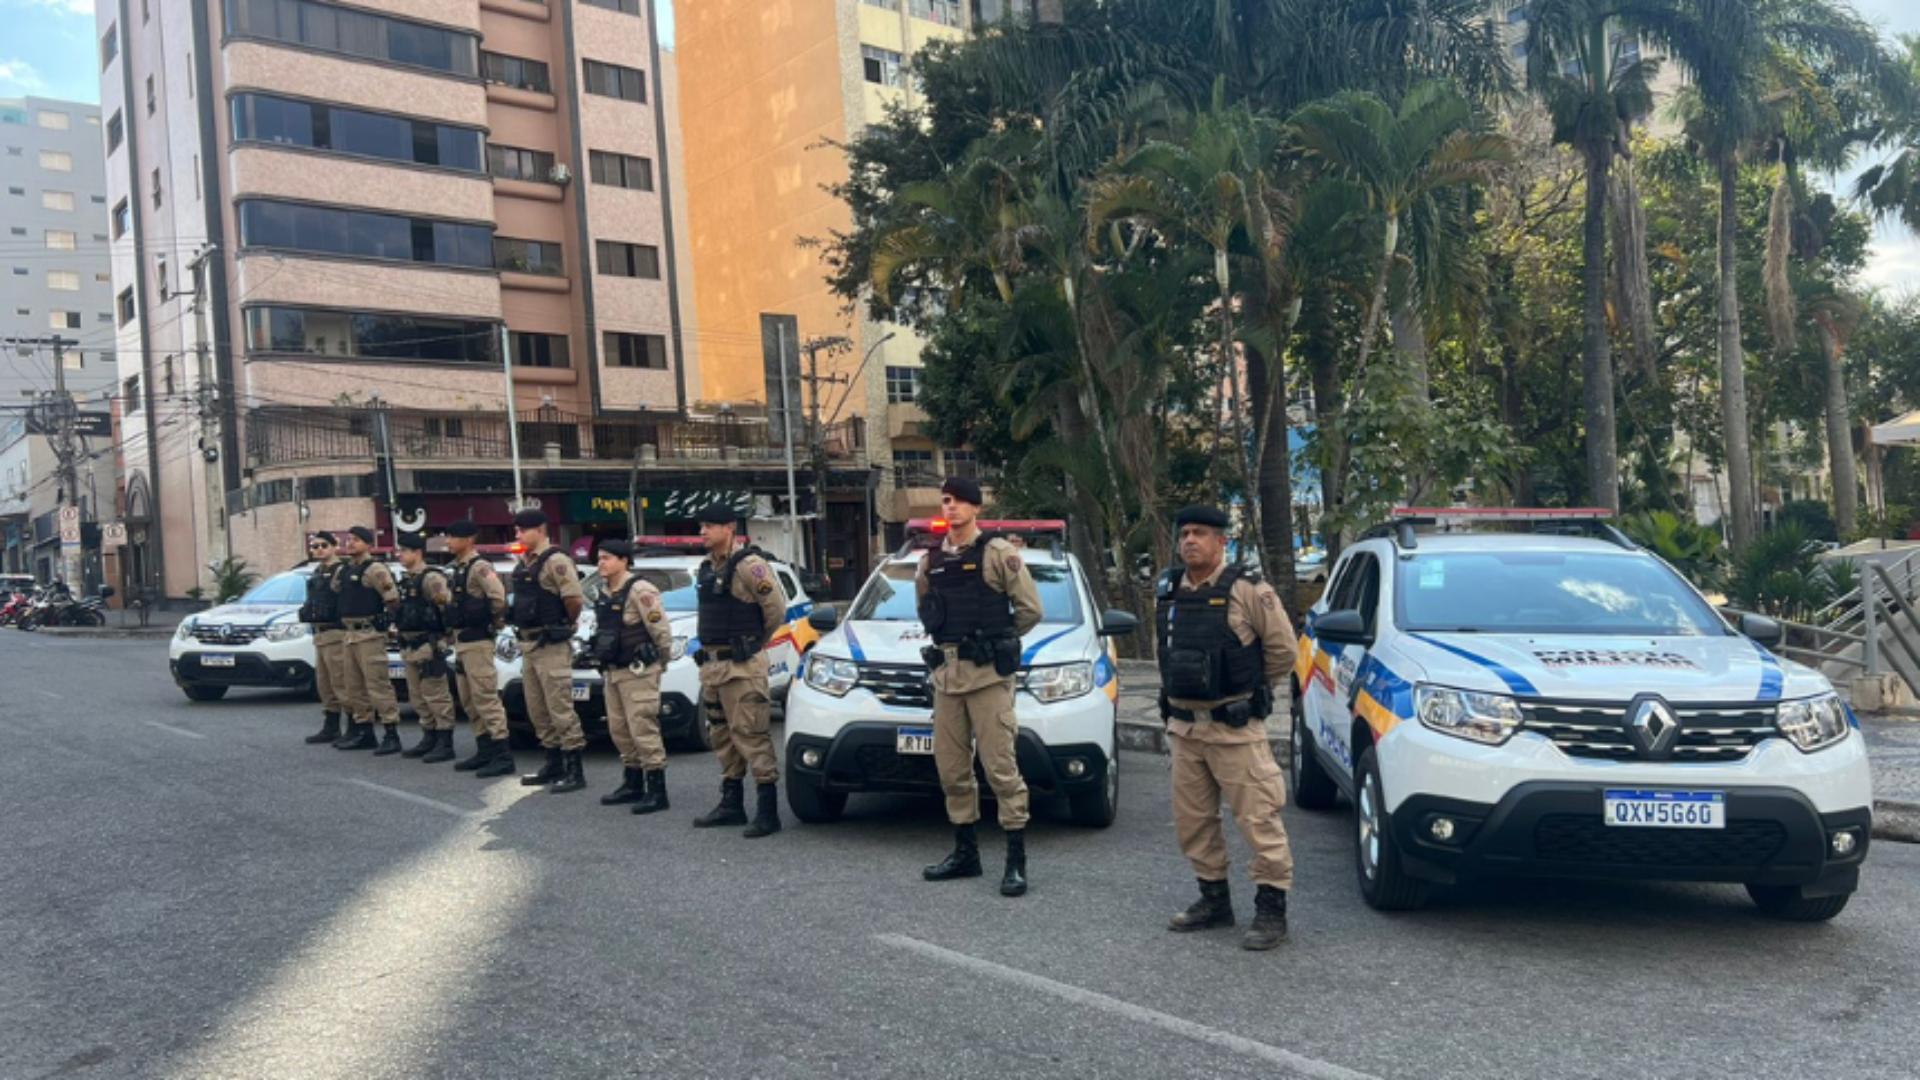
(357,624)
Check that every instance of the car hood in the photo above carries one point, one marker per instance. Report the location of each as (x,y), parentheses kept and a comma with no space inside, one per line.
(901,642)
(246,614)
(1702,669)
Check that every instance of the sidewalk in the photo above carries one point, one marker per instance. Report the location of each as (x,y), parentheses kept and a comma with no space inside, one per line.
(124,624)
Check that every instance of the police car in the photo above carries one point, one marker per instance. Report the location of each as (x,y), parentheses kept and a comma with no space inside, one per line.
(1564,704)
(258,641)
(860,719)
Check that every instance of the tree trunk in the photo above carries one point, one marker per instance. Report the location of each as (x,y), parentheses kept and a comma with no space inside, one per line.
(1267,386)
(1410,340)
(1733,367)
(1630,265)
(1596,350)
(1846,495)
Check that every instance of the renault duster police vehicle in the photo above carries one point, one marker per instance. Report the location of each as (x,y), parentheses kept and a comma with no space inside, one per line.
(1565,704)
(860,718)
(258,640)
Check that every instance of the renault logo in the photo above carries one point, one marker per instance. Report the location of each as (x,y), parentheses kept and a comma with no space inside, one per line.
(1653,726)
(227,630)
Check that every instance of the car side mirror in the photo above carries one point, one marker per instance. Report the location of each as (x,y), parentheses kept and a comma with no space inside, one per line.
(1115,623)
(1342,628)
(824,618)
(1764,631)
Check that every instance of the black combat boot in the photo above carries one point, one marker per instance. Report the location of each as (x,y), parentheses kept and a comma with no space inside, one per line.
(358,737)
(390,742)
(501,763)
(766,813)
(554,769)
(629,790)
(655,798)
(329,730)
(573,773)
(428,740)
(964,860)
(1214,908)
(482,753)
(1014,881)
(732,809)
(1269,927)
(442,750)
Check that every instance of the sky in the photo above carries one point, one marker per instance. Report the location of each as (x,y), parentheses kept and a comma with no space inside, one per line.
(50,50)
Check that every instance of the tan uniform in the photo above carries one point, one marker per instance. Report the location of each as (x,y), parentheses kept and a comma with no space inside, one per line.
(633,697)
(369,685)
(1211,759)
(476,679)
(431,697)
(734,690)
(973,703)
(330,657)
(546,674)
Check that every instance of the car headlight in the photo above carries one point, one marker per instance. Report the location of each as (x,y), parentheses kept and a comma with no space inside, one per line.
(1813,723)
(1467,714)
(679,647)
(1058,682)
(506,648)
(831,675)
(290,630)
(185,631)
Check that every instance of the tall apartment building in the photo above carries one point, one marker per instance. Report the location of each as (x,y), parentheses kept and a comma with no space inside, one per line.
(328,223)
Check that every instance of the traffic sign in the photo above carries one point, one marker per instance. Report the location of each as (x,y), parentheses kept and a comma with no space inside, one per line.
(69,513)
(114,534)
(70,534)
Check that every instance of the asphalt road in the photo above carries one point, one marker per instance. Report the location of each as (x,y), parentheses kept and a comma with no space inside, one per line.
(189,891)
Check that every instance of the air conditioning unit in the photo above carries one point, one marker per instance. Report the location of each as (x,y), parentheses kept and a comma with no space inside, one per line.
(560,174)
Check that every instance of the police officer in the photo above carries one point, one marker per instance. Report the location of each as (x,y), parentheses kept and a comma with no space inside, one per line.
(547,601)
(368,597)
(632,641)
(741,604)
(421,626)
(477,611)
(976,599)
(322,613)
(1224,641)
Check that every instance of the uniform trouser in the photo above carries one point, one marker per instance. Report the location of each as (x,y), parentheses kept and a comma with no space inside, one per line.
(546,678)
(1204,769)
(479,686)
(330,669)
(982,718)
(633,718)
(737,721)
(432,698)
(369,685)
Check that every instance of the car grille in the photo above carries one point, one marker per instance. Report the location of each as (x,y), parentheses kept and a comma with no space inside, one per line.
(1588,841)
(881,763)
(221,634)
(901,685)
(1708,733)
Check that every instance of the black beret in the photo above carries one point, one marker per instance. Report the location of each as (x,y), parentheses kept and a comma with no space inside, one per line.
(529,519)
(361,532)
(619,549)
(1210,516)
(963,489)
(416,541)
(463,528)
(719,514)
(325,538)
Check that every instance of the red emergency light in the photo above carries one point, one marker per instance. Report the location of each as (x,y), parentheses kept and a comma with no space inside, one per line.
(669,541)
(1502,513)
(1034,525)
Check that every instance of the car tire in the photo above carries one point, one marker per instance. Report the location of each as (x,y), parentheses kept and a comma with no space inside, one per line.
(698,737)
(1313,787)
(812,803)
(1790,902)
(1383,884)
(1096,808)
(93,618)
(203,692)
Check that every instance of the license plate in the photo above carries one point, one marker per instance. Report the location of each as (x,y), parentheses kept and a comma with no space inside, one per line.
(582,692)
(914,740)
(396,671)
(1667,809)
(216,659)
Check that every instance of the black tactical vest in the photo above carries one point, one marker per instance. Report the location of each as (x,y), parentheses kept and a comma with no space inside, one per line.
(959,603)
(323,604)
(725,619)
(358,600)
(470,615)
(417,614)
(1201,658)
(616,644)
(535,608)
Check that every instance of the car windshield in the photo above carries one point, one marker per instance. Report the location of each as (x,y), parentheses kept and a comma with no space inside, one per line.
(1548,592)
(889,595)
(287,588)
(676,586)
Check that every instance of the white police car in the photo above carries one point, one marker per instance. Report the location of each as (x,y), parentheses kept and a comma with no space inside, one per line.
(1567,705)
(860,719)
(258,640)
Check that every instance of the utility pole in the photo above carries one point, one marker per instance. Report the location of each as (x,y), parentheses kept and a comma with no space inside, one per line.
(66,457)
(208,400)
(786,421)
(513,418)
(816,436)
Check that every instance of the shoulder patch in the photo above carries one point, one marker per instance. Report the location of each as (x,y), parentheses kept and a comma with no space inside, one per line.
(1013,563)
(759,570)
(653,616)
(1269,601)
(764,588)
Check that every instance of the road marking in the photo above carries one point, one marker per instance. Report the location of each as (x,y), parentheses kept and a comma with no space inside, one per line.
(1305,1066)
(445,808)
(175,730)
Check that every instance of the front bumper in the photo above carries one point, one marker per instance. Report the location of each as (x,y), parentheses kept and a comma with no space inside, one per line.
(863,757)
(249,669)
(677,713)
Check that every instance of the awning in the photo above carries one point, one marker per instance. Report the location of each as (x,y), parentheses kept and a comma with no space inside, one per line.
(1906,429)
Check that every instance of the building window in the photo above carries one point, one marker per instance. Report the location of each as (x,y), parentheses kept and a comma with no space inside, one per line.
(153,100)
(55,120)
(903,384)
(539,350)
(889,5)
(914,468)
(130,395)
(17,191)
(109,46)
(944,12)
(156,189)
(104,317)
(528,257)
(612,80)
(116,131)
(63,280)
(18,230)
(518,73)
(629,7)
(12,115)
(56,160)
(882,67)
(160,268)
(627,260)
(56,200)
(620,170)
(370,335)
(122,219)
(647,351)
(287,122)
(60,240)
(21,271)
(126,307)
(327,230)
(145,13)
(190,76)
(513,163)
(355,33)
(63,320)
(962,463)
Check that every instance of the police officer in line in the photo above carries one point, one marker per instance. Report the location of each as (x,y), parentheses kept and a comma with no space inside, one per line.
(1224,641)
(421,627)
(476,612)
(547,601)
(976,599)
(741,604)
(368,598)
(632,642)
(322,612)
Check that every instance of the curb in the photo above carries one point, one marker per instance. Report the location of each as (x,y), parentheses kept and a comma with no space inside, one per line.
(1150,737)
(156,633)
(1896,820)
